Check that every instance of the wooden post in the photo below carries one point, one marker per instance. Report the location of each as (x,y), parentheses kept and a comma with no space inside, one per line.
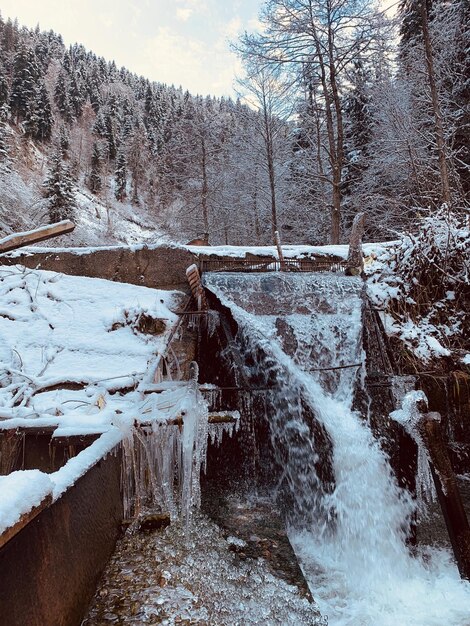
(282,263)
(18,240)
(429,427)
(194,280)
(355,256)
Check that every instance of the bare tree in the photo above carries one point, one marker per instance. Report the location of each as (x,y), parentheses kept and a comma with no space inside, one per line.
(265,90)
(328,35)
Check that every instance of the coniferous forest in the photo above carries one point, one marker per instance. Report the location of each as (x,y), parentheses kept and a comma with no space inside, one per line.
(341,109)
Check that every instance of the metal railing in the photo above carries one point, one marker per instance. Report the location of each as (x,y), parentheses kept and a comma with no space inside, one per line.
(269,264)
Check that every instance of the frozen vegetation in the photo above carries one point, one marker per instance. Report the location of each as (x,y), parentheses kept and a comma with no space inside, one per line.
(422,285)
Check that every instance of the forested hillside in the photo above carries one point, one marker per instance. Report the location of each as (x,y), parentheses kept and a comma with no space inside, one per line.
(346,111)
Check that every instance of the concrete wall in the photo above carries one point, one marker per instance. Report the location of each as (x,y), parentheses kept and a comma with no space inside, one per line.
(161,267)
(49,570)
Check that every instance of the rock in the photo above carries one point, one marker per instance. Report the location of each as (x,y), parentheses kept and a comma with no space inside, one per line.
(154,521)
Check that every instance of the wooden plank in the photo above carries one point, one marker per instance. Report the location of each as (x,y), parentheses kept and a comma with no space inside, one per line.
(18,240)
(282,263)
(447,490)
(9,533)
(221,417)
(194,280)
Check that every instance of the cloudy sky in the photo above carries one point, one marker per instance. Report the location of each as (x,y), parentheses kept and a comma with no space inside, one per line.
(181,42)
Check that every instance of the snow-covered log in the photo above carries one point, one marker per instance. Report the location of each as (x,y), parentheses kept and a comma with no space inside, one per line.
(18,240)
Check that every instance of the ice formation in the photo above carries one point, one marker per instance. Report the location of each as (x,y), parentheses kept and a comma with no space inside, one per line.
(408,416)
(75,360)
(170,578)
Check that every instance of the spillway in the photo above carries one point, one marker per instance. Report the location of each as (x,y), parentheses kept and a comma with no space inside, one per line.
(349,532)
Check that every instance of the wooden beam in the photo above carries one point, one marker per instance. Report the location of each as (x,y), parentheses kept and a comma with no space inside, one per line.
(282,263)
(18,240)
(197,289)
(355,256)
(220,417)
(75,440)
(9,533)
(447,490)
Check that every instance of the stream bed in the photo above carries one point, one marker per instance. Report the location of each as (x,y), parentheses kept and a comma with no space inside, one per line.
(201,576)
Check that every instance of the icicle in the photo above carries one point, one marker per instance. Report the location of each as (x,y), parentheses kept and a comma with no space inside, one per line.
(408,416)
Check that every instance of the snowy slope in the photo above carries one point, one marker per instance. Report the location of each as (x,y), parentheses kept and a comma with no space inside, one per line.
(100,219)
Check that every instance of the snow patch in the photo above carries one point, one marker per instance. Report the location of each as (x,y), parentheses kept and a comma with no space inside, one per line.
(20,492)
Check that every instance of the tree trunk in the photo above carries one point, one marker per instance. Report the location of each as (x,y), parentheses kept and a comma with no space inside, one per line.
(336,207)
(339,152)
(334,126)
(205,214)
(438,125)
(270,163)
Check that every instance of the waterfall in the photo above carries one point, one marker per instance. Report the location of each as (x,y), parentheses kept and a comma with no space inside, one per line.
(350,535)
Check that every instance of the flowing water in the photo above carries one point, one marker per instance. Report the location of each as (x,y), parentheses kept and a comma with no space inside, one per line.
(351,539)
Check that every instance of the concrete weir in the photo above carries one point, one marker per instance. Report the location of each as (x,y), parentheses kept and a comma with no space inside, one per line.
(159,266)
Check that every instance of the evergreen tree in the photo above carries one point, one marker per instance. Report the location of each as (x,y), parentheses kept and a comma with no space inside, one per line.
(120,176)
(25,76)
(3,86)
(62,98)
(93,87)
(10,36)
(95,182)
(58,188)
(77,98)
(411,30)
(38,119)
(358,127)
(41,51)
(64,140)
(104,127)
(4,160)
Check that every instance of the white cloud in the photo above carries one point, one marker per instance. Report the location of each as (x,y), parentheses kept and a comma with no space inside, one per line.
(233,28)
(192,5)
(184,14)
(172,58)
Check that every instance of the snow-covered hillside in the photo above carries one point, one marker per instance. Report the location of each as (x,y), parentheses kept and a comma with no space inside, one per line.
(100,220)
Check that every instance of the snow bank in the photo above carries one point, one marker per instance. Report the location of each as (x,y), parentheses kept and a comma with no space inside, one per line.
(58,330)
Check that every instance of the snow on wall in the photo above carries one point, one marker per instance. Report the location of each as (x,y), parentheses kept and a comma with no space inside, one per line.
(21,492)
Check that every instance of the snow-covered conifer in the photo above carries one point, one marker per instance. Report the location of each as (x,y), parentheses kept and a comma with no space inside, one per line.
(120,176)
(58,187)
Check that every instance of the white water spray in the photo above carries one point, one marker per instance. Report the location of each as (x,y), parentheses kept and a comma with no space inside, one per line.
(362,573)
